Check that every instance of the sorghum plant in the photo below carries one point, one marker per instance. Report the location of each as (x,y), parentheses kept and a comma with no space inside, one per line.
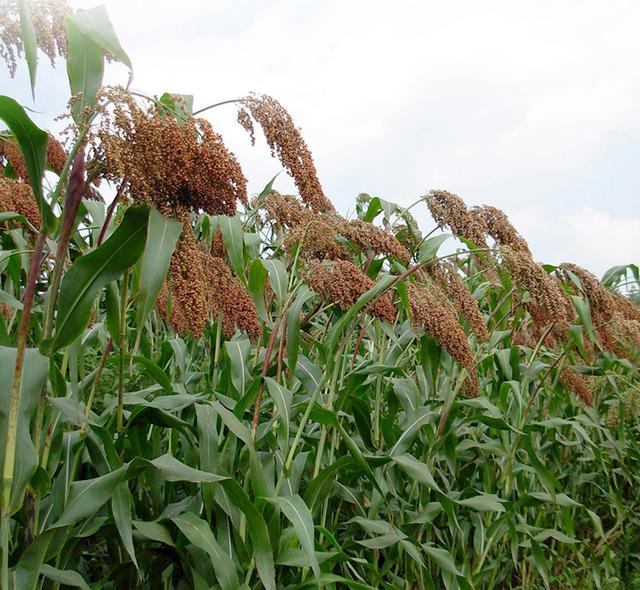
(201,388)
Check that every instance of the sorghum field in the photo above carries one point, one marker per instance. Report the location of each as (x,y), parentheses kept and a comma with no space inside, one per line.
(205,389)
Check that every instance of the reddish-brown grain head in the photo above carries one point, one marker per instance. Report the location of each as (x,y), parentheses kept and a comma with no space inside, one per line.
(17,196)
(164,161)
(287,144)
(450,281)
(431,313)
(47,17)
(343,283)
(499,227)
(226,297)
(578,385)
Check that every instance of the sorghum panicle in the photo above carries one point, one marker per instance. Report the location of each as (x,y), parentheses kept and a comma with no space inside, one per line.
(342,283)
(548,303)
(286,143)
(17,196)
(578,385)
(449,210)
(499,227)
(163,161)
(371,237)
(317,240)
(47,17)
(432,313)
(450,281)
(227,296)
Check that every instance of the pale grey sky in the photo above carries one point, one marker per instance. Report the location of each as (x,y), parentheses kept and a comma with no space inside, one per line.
(532,107)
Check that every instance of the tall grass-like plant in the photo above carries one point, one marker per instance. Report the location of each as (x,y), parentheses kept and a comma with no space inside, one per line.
(205,389)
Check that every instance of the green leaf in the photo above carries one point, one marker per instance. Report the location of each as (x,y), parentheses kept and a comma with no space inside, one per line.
(198,532)
(36,369)
(374,208)
(121,508)
(154,531)
(283,400)
(33,145)
(483,503)
(66,577)
(293,327)
(95,24)
(297,512)
(321,484)
(12,216)
(430,247)
(88,496)
(414,424)
(330,580)
(540,561)
(258,476)
(174,470)
(27,572)
(278,277)
(239,352)
(256,286)
(91,272)
(383,541)
(85,68)
(359,458)
(29,43)
(179,105)
(234,242)
(268,189)
(443,558)
(112,309)
(417,470)
(154,371)
(559,499)
(597,523)
(545,475)
(257,530)
(162,236)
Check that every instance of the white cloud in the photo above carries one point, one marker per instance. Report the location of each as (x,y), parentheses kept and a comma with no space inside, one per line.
(531,107)
(590,237)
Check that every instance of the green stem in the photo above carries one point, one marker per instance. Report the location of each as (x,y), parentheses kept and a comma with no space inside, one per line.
(14,407)
(122,336)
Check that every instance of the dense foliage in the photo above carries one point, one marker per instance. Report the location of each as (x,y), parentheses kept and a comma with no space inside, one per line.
(203,389)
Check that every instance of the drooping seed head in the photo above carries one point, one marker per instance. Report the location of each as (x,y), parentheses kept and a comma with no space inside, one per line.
(217,248)
(343,283)
(226,297)
(47,17)
(630,402)
(286,210)
(578,385)
(10,152)
(286,143)
(449,210)
(432,313)
(371,237)
(548,302)
(450,281)
(188,281)
(499,227)
(599,297)
(6,311)
(317,239)
(17,196)
(165,161)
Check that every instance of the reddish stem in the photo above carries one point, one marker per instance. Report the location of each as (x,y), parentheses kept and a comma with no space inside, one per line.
(265,369)
(110,211)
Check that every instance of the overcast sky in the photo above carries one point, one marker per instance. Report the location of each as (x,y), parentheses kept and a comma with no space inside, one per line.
(532,107)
